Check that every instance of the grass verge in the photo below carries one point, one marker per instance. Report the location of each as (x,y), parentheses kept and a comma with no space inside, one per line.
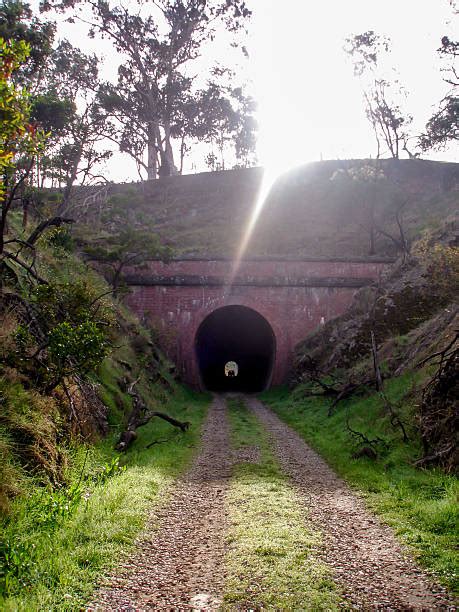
(271,560)
(53,553)
(420,505)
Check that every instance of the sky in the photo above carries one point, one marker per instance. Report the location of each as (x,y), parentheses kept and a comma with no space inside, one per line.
(310,104)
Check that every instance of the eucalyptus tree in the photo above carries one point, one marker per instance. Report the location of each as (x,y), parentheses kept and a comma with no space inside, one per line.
(68,108)
(159,43)
(382,97)
(18,23)
(443,126)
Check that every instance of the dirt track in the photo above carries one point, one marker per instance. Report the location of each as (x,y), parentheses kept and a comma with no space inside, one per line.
(367,561)
(179,565)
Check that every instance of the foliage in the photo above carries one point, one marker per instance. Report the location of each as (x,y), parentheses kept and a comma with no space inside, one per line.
(76,349)
(77,131)
(382,97)
(18,137)
(155,100)
(17,23)
(69,337)
(128,247)
(443,126)
(440,262)
(74,131)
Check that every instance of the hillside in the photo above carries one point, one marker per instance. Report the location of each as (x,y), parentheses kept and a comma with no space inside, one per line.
(78,372)
(307,213)
(385,414)
(74,363)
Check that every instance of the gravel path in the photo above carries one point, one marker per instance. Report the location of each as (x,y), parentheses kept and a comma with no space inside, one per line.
(179,566)
(372,568)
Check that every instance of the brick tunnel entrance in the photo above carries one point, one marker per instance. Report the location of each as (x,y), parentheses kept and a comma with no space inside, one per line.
(235,334)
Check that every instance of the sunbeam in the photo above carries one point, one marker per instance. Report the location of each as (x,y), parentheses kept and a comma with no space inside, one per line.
(267,182)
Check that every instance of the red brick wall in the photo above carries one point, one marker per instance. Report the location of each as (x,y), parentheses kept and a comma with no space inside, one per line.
(291,311)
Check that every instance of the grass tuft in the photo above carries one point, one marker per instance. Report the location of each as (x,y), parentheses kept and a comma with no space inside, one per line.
(272,559)
(420,505)
(51,559)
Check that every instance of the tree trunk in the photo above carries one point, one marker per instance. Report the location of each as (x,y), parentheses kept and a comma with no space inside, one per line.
(372,249)
(141,416)
(152,156)
(378,377)
(63,207)
(182,154)
(168,151)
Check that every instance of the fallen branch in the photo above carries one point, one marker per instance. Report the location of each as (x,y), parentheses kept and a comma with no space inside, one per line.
(436,457)
(161,440)
(439,413)
(348,390)
(140,416)
(442,354)
(369,445)
(394,417)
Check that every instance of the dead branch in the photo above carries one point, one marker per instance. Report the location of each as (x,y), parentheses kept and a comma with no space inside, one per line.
(442,354)
(162,440)
(364,441)
(378,376)
(315,375)
(394,417)
(439,412)
(29,269)
(140,415)
(347,391)
(44,225)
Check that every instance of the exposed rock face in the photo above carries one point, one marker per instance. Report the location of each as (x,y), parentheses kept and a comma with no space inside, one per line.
(416,297)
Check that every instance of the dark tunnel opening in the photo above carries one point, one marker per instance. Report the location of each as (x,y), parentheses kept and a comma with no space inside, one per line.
(235,334)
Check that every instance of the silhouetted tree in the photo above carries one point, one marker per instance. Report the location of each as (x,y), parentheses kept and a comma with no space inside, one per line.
(150,104)
(443,126)
(388,120)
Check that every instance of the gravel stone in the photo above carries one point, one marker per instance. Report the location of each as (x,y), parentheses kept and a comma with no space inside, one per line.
(373,569)
(180,565)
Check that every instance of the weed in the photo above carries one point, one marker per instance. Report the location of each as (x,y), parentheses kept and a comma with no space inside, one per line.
(421,505)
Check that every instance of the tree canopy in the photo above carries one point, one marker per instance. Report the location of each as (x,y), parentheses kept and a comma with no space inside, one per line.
(160,102)
(443,126)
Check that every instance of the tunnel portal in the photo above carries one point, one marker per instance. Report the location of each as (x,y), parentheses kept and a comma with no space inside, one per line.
(239,334)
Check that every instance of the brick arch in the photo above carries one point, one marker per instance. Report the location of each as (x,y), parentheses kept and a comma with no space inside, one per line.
(255,308)
(281,355)
(294,296)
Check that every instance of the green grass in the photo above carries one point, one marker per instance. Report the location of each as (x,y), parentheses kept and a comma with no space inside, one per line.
(421,505)
(272,562)
(56,567)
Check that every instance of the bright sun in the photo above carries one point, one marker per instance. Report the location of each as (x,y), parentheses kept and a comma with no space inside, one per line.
(309,103)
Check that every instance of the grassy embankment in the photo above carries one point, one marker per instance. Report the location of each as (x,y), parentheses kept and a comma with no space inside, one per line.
(59,543)
(69,504)
(272,562)
(421,505)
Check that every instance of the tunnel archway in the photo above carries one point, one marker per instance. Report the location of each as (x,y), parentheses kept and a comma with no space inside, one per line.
(239,334)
